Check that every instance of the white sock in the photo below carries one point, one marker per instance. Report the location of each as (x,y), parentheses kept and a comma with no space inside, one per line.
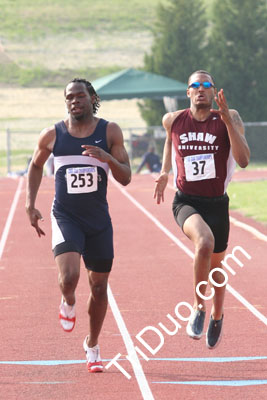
(92,353)
(67,309)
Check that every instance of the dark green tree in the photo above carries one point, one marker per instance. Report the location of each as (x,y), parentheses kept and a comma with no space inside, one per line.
(178,48)
(238,55)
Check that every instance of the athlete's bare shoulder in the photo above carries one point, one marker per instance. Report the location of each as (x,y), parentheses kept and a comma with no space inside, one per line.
(237,120)
(235,115)
(114,132)
(50,130)
(47,138)
(169,118)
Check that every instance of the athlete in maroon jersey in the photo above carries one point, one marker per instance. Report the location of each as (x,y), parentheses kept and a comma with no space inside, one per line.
(202,146)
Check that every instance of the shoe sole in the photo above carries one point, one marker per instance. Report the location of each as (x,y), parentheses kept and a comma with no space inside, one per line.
(95,369)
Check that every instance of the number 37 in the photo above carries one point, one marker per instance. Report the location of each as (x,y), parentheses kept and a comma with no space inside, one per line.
(198,167)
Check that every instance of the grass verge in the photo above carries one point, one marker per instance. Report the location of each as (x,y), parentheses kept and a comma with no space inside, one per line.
(250,199)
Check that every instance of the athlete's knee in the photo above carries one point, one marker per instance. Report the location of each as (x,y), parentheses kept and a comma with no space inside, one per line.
(205,246)
(69,279)
(99,289)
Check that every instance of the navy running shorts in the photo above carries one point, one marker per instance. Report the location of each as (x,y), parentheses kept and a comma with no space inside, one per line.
(96,248)
(213,210)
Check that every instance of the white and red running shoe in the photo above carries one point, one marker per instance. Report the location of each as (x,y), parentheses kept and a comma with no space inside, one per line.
(67,316)
(94,362)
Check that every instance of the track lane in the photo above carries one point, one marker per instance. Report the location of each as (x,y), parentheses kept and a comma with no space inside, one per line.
(252,328)
(250,245)
(29,322)
(150,276)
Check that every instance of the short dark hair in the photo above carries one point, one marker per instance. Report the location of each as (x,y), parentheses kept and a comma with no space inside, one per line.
(90,90)
(202,71)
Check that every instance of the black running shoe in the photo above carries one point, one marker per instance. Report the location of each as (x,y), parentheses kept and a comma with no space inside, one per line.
(214,333)
(195,325)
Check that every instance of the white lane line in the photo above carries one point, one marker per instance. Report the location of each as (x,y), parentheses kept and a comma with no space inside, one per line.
(139,373)
(10,217)
(248,228)
(240,298)
(137,368)
(251,308)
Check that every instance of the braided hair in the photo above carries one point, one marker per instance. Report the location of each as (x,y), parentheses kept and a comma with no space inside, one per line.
(90,90)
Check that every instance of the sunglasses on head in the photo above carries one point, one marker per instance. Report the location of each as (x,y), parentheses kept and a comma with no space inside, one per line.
(196,85)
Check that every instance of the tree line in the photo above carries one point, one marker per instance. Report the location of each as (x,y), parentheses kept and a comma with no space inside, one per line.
(229,40)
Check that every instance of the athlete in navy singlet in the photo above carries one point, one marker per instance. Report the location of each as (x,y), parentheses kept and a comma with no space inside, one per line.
(81,188)
(202,146)
(84,148)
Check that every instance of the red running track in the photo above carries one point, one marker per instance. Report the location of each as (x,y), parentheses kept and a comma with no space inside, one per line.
(151,275)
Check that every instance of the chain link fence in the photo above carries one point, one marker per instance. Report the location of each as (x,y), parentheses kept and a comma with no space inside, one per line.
(17,146)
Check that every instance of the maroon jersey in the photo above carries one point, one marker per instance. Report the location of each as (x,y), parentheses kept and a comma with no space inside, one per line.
(202,160)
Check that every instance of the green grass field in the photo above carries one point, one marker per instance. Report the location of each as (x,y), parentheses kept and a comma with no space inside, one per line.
(48,41)
(32,19)
(250,198)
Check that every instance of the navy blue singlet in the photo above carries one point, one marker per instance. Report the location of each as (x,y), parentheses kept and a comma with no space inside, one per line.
(81,181)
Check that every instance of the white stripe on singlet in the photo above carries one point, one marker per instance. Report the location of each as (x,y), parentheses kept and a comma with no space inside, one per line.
(174,167)
(57,236)
(231,164)
(61,161)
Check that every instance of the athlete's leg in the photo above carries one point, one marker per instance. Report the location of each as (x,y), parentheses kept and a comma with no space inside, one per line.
(218,298)
(214,332)
(97,304)
(69,273)
(199,232)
